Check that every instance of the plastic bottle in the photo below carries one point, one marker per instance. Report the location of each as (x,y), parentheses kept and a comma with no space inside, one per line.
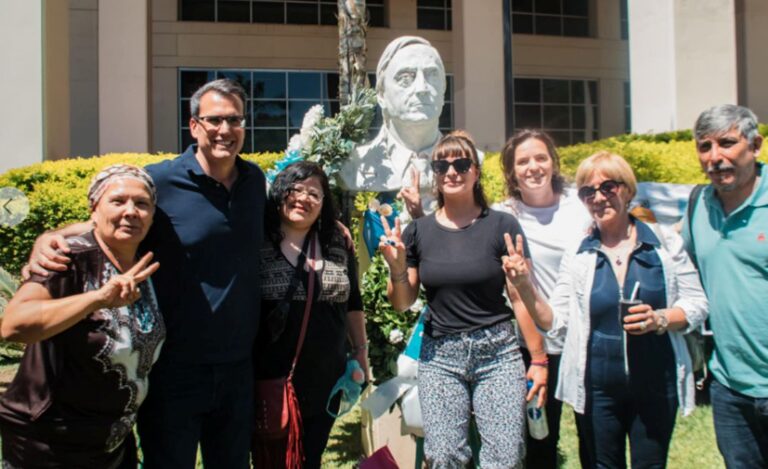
(537,418)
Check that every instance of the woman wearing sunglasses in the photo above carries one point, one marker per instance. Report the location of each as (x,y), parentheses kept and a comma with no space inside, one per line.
(625,373)
(470,362)
(553,219)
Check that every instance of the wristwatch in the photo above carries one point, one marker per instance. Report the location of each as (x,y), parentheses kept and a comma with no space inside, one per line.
(662,321)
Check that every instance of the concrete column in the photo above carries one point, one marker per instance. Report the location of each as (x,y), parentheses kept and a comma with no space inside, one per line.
(682,57)
(124,92)
(478,58)
(752,15)
(37,99)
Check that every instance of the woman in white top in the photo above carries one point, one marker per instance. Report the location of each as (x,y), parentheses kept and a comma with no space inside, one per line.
(553,219)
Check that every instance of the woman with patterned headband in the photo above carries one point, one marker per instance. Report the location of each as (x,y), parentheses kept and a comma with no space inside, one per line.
(93,333)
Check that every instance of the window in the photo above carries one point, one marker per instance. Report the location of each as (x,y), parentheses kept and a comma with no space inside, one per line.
(271,11)
(566,109)
(434,14)
(624,19)
(277,102)
(627,108)
(551,17)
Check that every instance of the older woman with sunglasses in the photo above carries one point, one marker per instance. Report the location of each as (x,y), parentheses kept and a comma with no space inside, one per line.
(470,362)
(625,373)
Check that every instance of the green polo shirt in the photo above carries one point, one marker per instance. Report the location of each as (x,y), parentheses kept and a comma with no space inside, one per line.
(732,253)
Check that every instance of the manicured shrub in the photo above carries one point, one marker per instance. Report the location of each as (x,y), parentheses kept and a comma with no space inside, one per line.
(57,196)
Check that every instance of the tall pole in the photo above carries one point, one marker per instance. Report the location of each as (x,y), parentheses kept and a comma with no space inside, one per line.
(353,27)
(509,79)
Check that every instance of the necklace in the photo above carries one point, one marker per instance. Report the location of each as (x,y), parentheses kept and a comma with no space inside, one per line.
(620,252)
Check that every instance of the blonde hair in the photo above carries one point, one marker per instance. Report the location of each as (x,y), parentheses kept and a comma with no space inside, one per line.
(609,165)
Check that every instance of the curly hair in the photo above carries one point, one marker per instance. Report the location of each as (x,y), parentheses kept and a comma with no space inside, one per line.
(325,225)
(508,160)
(459,144)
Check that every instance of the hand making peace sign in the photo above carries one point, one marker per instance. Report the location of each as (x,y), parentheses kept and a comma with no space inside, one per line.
(514,263)
(411,196)
(392,247)
(122,290)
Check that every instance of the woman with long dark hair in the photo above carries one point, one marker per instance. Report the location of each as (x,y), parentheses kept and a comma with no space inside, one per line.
(300,212)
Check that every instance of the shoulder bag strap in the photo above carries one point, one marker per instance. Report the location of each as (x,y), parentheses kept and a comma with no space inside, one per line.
(308,306)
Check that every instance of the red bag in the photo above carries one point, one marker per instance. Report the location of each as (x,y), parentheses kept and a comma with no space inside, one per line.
(276,407)
(271,409)
(381,459)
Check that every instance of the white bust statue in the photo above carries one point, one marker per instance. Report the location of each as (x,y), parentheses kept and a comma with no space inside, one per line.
(410,85)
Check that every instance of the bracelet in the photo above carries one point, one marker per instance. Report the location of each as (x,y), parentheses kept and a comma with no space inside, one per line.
(399,278)
(542,363)
(360,348)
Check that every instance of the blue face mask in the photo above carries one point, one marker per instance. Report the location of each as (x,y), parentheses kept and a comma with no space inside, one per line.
(348,387)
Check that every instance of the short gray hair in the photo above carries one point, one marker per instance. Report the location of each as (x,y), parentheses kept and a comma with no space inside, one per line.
(720,119)
(222,86)
(393,48)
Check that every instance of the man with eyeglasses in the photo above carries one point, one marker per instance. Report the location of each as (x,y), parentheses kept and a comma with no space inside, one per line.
(206,234)
(726,237)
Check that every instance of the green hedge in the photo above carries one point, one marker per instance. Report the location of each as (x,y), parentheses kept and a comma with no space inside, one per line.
(57,196)
(56,189)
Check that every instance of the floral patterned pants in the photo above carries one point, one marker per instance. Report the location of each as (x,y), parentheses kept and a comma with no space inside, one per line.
(480,374)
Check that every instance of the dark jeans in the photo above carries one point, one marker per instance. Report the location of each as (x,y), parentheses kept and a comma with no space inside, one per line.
(741,427)
(189,404)
(648,418)
(542,454)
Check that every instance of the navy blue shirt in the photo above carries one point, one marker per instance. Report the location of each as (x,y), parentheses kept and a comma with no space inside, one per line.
(207,240)
(650,357)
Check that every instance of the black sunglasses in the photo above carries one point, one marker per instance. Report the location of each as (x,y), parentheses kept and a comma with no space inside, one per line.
(608,188)
(461,165)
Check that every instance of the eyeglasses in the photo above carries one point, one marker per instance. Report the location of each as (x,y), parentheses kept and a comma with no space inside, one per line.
(311,195)
(608,188)
(461,165)
(234,122)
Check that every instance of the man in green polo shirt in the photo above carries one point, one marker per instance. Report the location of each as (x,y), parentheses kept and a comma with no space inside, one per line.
(727,237)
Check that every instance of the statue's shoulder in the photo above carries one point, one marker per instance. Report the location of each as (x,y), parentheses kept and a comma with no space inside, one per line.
(371,151)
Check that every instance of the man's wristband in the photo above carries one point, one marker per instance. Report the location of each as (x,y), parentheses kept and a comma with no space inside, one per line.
(542,363)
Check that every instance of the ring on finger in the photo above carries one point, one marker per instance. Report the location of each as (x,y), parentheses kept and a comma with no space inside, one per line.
(642,325)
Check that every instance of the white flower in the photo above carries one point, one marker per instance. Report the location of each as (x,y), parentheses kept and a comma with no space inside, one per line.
(417,305)
(295,143)
(396,336)
(312,118)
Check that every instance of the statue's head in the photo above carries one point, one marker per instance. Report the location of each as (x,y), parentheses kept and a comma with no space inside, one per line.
(410,81)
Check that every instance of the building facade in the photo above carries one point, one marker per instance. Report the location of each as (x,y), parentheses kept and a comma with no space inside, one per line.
(96,76)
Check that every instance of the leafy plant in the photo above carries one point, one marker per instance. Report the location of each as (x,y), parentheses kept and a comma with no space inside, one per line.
(387,329)
(332,139)
(8,287)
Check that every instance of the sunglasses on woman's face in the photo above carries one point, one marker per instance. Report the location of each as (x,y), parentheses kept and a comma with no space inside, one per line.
(461,165)
(608,188)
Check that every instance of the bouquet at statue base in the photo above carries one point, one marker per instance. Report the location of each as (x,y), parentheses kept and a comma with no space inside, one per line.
(403,387)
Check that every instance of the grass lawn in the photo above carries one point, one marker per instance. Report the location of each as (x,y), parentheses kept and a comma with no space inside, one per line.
(693,443)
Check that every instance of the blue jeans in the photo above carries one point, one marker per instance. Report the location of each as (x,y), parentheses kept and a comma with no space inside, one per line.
(647,416)
(481,373)
(741,427)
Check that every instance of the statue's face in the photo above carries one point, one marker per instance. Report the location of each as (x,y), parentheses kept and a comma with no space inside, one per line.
(414,85)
